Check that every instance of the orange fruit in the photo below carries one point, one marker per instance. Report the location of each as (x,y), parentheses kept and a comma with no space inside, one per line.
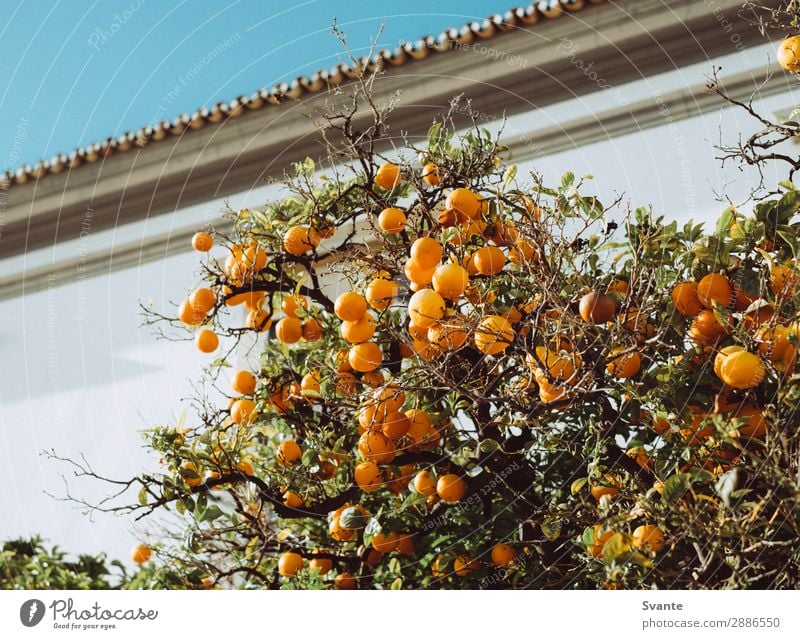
(430,174)
(291,303)
(465,202)
(599,490)
(298,240)
(359,331)
(463,565)
(202,299)
(350,306)
(493,335)
(367,476)
(420,424)
(624,366)
(425,307)
(289,452)
(600,539)
(426,252)
(418,276)
(597,308)
(722,355)
(344,581)
(376,447)
(365,357)
(450,280)
(742,369)
(141,553)
(387,176)
(190,315)
(289,330)
(648,537)
(755,424)
(705,329)
(425,483)
(395,425)
(202,242)
(405,545)
(312,330)
(380,293)
(254,258)
(783,280)
(503,555)
(385,543)
(190,474)
(289,564)
(310,382)
(392,220)
(789,53)
(259,320)
(206,340)
(450,488)
(292,500)
(242,410)
(243,382)
(684,296)
(714,287)
(321,565)
(448,334)
(489,260)
(523,251)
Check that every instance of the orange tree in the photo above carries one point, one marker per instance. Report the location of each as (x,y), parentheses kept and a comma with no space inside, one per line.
(462,378)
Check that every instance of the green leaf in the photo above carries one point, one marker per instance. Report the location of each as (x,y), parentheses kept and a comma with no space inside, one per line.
(143,496)
(567,180)
(397,584)
(578,485)
(618,549)
(724,222)
(551,528)
(674,487)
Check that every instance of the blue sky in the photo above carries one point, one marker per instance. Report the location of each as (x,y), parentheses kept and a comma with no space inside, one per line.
(77,71)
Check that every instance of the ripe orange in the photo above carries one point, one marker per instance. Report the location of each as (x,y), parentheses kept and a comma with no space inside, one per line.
(310,382)
(202,242)
(259,320)
(291,303)
(465,202)
(289,564)
(289,452)
(450,280)
(755,424)
(430,174)
(367,476)
(141,553)
(450,488)
(624,366)
(425,307)
(202,299)
(395,425)
(722,355)
(289,330)
(242,410)
(254,258)
(705,329)
(523,251)
(359,331)
(463,565)
(648,537)
(600,539)
(206,340)
(420,424)
(385,543)
(190,474)
(380,293)
(298,240)
(684,295)
(742,369)
(597,308)
(425,483)
(503,555)
(448,335)
(344,581)
(312,330)
(387,176)
(789,53)
(714,287)
(783,280)
(243,382)
(365,357)
(392,220)
(489,260)
(405,545)
(190,315)
(350,306)
(417,275)
(426,252)
(321,565)
(376,447)
(292,500)
(493,334)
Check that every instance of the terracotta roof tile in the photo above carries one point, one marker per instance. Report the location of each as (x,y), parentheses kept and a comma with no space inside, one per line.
(408,52)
